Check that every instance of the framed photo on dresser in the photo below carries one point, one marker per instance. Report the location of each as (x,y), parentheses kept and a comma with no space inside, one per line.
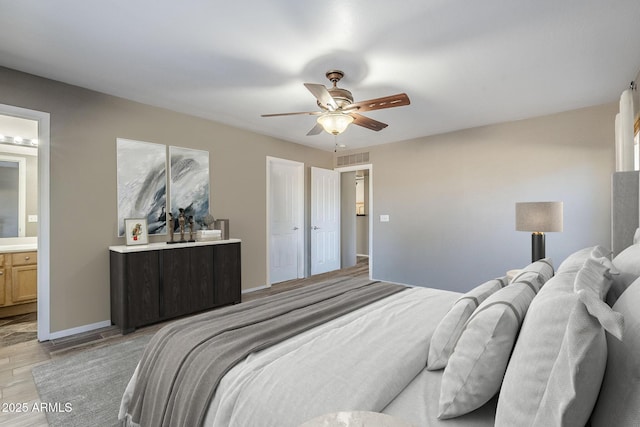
(136,231)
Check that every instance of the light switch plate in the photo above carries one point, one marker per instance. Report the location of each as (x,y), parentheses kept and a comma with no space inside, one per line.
(384,218)
(33,218)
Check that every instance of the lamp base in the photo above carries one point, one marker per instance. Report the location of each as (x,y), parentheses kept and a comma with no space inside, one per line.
(537,246)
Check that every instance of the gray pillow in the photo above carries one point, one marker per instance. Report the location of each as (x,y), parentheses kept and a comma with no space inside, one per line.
(448,331)
(619,400)
(476,367)
(575,261)
(543,268)
(628,264)
(576,376)
(558,362)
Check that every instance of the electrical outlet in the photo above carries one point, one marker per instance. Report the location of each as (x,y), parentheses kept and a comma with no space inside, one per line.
(384,218)
(33,218)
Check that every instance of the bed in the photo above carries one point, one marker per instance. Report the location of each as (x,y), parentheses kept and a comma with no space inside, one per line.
(548,347)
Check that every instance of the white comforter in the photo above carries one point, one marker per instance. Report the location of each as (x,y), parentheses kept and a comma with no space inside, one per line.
(361,361)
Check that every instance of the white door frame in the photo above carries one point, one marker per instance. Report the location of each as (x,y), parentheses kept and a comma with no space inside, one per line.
(368,167)
(43,212)
(301,217)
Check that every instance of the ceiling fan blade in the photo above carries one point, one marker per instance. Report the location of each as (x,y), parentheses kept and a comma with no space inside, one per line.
(322,95)
(379,103)
(315,130)
(311,113)
(366,122)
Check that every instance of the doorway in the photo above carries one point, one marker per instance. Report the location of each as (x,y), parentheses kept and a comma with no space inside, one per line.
(295,254)
(34,148)
(356,207)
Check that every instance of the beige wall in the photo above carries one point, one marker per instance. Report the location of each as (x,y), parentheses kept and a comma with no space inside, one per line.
(451,198)
(84,128)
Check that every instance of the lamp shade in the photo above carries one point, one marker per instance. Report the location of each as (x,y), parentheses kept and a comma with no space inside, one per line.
(539,216)
(335,122)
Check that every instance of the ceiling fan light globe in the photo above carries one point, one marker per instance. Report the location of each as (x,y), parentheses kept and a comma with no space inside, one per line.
(335,123)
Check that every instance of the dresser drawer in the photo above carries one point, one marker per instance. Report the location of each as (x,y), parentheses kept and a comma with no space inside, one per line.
(24,258)
(1,260)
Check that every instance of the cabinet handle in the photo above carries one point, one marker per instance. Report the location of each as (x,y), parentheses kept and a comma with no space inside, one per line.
(1,273)
(26,258)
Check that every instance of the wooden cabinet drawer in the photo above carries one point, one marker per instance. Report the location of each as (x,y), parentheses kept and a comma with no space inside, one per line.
(1,260)
(24,258)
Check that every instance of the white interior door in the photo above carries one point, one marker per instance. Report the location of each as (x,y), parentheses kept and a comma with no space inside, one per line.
(285,212)
(325,220)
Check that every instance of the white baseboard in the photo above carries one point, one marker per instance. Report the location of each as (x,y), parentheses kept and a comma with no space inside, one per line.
(79,330)
(247,291)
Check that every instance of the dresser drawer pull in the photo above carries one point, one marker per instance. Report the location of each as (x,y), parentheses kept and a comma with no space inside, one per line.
(26,258)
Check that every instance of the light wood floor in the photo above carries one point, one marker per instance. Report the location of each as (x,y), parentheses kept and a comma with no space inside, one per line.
(16,361)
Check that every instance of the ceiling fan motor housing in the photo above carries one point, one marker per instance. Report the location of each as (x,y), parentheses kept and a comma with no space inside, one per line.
(342,96)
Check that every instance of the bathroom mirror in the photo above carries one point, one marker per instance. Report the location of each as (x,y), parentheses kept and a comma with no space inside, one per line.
(18,178)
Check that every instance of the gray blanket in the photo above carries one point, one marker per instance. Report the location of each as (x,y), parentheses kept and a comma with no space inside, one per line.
(184,362)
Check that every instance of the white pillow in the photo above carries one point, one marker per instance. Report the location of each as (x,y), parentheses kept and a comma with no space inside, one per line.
(619,400)
(448,331)
(628,264)
(576,376)
(596,275)
(554,374)
(476,367)
(543,267)
(574,262)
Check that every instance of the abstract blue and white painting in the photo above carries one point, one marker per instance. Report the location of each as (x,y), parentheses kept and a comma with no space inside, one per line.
(142,183)
(189,185)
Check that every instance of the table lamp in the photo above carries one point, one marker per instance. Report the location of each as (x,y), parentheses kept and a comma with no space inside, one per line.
(538,218)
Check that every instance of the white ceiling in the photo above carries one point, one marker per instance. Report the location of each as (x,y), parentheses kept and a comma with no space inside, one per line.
(462,63)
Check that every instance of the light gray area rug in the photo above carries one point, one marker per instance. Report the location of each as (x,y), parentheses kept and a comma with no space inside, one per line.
(87,387)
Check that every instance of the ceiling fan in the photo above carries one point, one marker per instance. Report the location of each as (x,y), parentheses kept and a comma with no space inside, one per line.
(338,109)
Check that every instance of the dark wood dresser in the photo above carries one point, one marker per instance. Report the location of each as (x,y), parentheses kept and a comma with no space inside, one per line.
(156,282)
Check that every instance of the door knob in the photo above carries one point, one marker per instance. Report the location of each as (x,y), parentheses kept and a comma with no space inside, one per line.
(295,228)
(315,228)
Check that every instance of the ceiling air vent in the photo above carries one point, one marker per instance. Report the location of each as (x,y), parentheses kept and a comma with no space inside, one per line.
(353,159)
